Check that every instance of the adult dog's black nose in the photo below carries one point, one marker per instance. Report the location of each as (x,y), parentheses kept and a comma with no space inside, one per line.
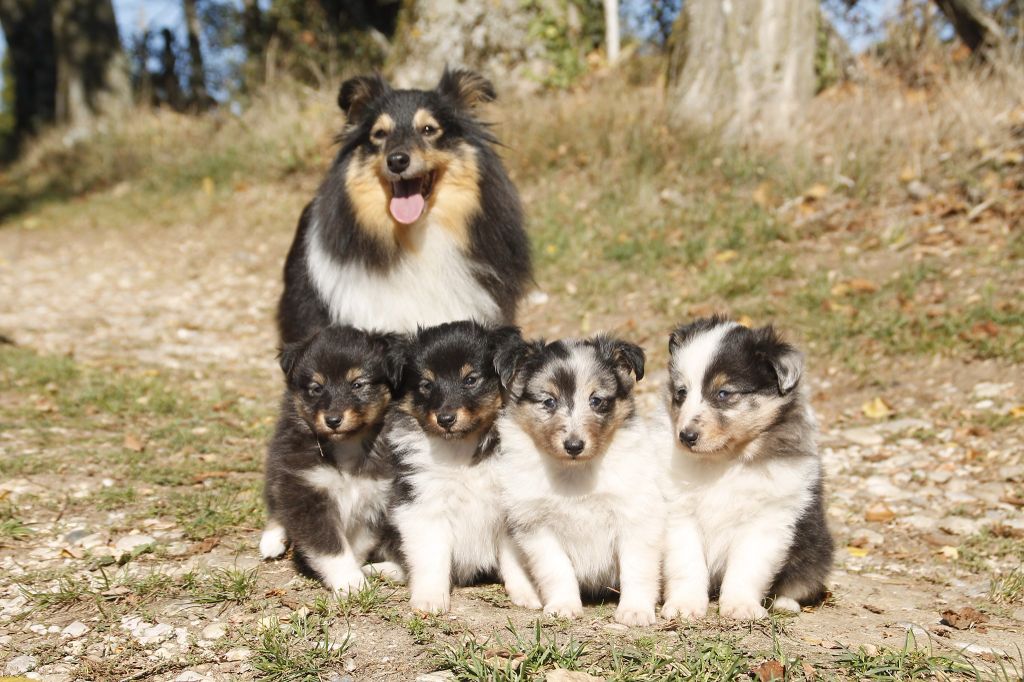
(689,437)
(333,421)
(398,162)
(573,446)
(446,420)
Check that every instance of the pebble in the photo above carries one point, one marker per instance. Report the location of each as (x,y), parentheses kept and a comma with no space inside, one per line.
(559,675)
(75,630)
(863,436)
(920,522)
(155,634)
(940,476)
(20,665)
(988,389)
(238,654)
(214,631)
(903,425)
(129,543)
(866,536)
(439,676)
(959,525)
(918,191)
(616,627)
(190,676)
(76,535)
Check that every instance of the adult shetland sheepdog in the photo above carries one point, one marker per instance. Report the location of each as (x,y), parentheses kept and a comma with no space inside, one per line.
(416,223)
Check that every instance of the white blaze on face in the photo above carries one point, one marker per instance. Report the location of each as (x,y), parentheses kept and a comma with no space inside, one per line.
(690,364)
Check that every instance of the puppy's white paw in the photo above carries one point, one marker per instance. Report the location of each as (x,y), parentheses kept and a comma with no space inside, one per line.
(786,605)
(385,569)
(742,609)
(345,583)
(524,597)
(634,616)
(685,608)
(431,602)
(564,608)
(272,542)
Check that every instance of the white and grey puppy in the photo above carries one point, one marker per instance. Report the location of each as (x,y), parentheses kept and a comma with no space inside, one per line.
(579,481)
(442,438)
(746,515)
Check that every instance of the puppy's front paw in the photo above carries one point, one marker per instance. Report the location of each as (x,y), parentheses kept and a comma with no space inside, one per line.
(634,616)
(786,605)
(431,602)
(346,583)
(525,598)
(272,543)
(564,608)
(685,608)
(742,609)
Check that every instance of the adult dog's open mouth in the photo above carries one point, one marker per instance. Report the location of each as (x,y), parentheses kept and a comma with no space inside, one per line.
(409,198)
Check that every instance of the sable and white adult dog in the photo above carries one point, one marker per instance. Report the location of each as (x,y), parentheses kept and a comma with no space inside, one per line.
(578,475)
(746,517)
(442,438)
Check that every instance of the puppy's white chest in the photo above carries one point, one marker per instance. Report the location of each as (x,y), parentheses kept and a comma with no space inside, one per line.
(357,498)
(430,285)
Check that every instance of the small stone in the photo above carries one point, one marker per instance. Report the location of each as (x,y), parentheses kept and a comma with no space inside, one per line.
(988,389)
(920,522)
(129,543)
(941,476)
(863,436)
(20,665)
(238,654)
(214,631)
(559,675)
(616,627)
(959,525)
(918,191)
(76,535)
(190,676)
(439,676)
(94,540)
(879,512)
(75,630)
(155,634)
(865,537)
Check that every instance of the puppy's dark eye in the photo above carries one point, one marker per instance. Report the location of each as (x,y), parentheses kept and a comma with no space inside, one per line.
(429,129)
(598,404)
(723,394)
(425,386)
(548,403)
(315,389)
(681,395)
(356,385)
(379,134)
(470,380)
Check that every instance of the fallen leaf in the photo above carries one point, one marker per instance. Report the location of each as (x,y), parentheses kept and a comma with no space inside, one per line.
(208,185)
(876,409)
(963,619)
(1017,411)
(206,475)
(763,195)
(863,286)
(857,551)
(950,552)
(726,256)
(874,609)
(907,174)
(744,321)
(879,512)
(205,546)
(769,670)
(133,443)
(816,191)
(809,672)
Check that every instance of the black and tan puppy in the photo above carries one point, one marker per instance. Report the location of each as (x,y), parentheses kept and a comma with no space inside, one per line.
(443,441)
(328,485)
(416,223)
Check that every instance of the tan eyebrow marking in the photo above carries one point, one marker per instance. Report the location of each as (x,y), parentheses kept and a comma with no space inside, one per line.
(424,118)
(384,122)
(353,374)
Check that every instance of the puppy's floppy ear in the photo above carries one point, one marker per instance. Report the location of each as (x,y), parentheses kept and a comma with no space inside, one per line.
(395,348)
(356,93)
(509,359)
(467,88)
(289,355)
(628,357)
(503,336)
(785,360)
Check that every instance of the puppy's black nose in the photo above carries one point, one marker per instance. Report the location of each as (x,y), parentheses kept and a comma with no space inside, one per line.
(332,421)
(398,162)
(446,420)
(689,437)
(573,446)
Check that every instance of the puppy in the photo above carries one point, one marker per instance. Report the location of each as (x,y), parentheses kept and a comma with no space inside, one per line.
(328,484)
(578,476)
(442,438)
(416,222)
(746,516)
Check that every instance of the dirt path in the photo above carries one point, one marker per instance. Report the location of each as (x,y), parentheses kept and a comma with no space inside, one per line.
(925,503)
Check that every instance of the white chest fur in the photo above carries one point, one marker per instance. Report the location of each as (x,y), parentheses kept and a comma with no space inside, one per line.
(360,500)
(456,495)
(429,285)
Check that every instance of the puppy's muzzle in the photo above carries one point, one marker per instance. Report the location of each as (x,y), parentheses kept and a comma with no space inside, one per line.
(573,446)
(689,437)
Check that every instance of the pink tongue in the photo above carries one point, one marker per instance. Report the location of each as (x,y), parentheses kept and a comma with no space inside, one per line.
(408,209)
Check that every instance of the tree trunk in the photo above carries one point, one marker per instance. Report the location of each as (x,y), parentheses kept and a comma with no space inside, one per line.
(28,28)
(611,30)
(253,33)
(746,68)
(978,30)
(199,97)
(92,70)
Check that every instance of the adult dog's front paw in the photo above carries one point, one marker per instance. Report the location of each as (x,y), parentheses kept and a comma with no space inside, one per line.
(634,616)
(564,608)
(685,608)
(742,609)
(438,602)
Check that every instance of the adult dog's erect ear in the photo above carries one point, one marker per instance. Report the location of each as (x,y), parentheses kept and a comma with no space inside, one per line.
(356,93)
(467,88)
